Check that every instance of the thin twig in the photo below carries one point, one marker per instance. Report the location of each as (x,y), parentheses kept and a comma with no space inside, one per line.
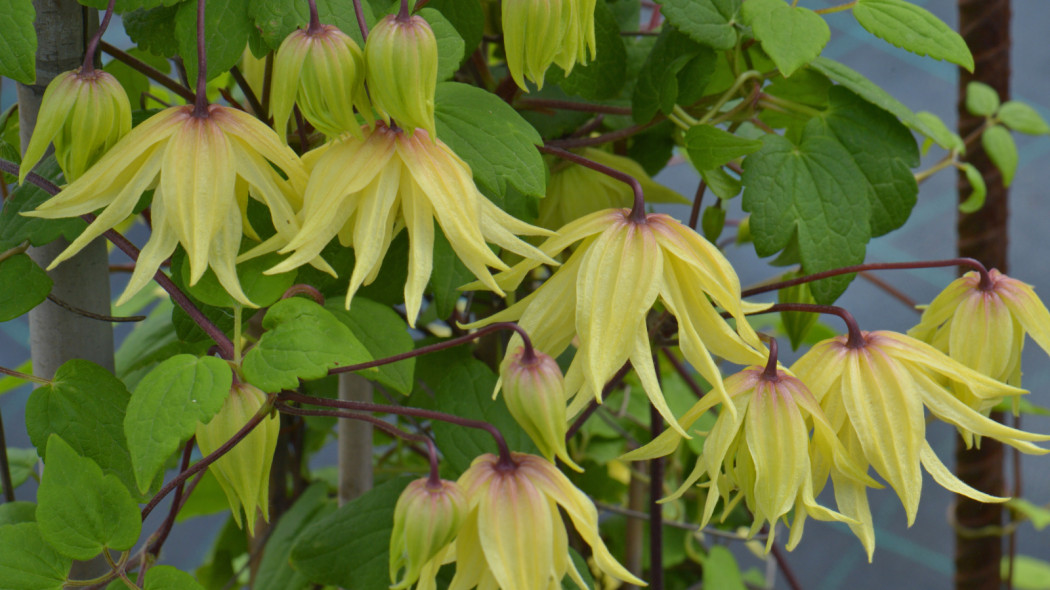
(600,139)
(90,314)
(151,72)
(570,105)
(249,94)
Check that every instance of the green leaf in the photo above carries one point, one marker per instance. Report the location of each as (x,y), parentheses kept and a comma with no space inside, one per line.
(1030,573)
(360,528)
(10,382)
(85,405)
(721,570)
(261,289)
(883,149)
(276,19)
(18,43)
(676,66)
(274,572)
(135,83)
(81,511)
(303,341)
(16,228)
(154,29)
(226,28)
(808,192)
(796,323)
(450,45)
(23,286)
(708,22)
(1002,151)
(122,6)
(981,99)
(466,391)
(713,222)
(492,138)
(27,562)
(21,462)
(602,78)
(914,29)
(710,147)
(792,36)
(167,405)
(721,183)
(17,512)
(1022,118)
(448,276)
(976,199)
(151,342)
(166,577)
(938,132)
(1039,515)
(467,17)
(383,333)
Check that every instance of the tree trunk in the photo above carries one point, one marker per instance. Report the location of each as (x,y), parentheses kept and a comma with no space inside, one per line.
(985,25)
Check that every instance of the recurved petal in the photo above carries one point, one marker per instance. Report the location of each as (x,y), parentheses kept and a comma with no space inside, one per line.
(642,361)
(947,479)
(59,98)
(852,500)
(159,248)
(942,308)
(1029,310)
(419,221)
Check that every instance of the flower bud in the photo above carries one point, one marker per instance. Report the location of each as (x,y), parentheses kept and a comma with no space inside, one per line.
(244,471)
(401,57)
(320,70)
(426,519)
(84,115)
(534,390)
(537,33)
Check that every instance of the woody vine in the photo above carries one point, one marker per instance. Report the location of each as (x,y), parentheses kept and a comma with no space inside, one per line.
(453,199)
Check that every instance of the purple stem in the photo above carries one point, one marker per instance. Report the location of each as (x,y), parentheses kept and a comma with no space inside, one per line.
(638,210)
(856,338)
(361,24)
(571,105)
(504,451)
(985,284)
(176,503)
(200,102)
(771,374)
(92,46)
(149,71)
(302,289)
(315,20)
(527,343)
(593,406)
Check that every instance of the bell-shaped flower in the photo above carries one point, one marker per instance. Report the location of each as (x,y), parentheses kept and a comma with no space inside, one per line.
(243,472)
(984,327)
(323,70)
(534,390)
(513,536)
(873,390)
(574,191)
(364,191)
(84,114)
(202,170)
(401,56)
(538,33)
(766,453)
(427,517)
(614,277)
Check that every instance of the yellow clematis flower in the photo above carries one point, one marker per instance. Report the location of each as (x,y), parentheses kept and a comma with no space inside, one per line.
(765,450)
(984,327)
(615,276)
(538,33)
(399,180)
(319,69)
(513,536)
(243,472)
(427,517)
(574,191)
(84,114)
(203,170)
(873,393)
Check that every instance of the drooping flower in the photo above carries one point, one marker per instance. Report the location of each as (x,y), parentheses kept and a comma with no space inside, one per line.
(615,276)
(538,33)
(243,472)
(401,55)
(984,327)
(426,519)
(574,191)
(513,536)
(873,390)
(322,70)
(399,180)
(203,169)
(765,452)
(84,114)
(534,390)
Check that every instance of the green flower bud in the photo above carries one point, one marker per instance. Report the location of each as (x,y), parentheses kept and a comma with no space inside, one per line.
(401,58)
(319,70)
(426,519)
(537,33)
(84,115)
(534,390)
(244,471)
